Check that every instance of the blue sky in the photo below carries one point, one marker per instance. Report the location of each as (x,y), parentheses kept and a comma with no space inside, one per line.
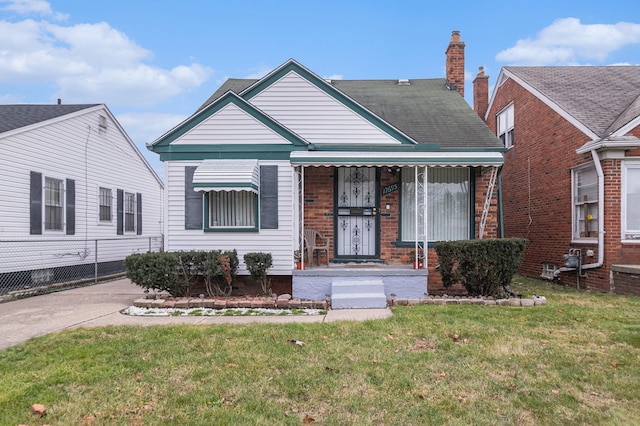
(153,62)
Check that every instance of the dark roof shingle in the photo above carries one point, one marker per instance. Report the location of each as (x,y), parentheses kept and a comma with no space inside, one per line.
(16,116)
(602,98)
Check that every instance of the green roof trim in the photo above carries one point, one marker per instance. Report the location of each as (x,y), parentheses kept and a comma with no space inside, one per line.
(214,107)
(330,90)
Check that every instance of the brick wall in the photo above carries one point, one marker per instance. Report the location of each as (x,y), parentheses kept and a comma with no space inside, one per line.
(455,62)
(624,283)
(319,198)
(536,182)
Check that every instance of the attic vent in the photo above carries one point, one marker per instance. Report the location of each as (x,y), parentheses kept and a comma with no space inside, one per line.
(102,121)
(404,82)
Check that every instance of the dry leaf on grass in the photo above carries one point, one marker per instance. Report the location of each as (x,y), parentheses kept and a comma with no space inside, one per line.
(308,420)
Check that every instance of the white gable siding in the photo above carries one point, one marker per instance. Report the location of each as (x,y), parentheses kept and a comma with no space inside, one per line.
(314,115)
(230,125)
(278,242)
(74,148)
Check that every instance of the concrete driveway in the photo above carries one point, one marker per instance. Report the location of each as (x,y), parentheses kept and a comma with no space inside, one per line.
(100,305)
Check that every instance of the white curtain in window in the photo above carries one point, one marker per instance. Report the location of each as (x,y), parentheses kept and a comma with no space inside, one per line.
(233,209)
(448,200)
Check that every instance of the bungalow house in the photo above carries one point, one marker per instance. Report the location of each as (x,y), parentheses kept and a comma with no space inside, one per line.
(374,170)
(78,196)
(571,175)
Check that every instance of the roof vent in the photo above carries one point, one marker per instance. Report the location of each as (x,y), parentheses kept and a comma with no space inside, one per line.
(404,82)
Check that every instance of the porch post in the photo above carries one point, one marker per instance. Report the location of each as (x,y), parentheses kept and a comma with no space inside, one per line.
(301,237)
(425,216)
(415,216)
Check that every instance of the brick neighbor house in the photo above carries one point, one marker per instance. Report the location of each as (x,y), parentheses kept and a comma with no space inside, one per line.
(379,168)
(571,177)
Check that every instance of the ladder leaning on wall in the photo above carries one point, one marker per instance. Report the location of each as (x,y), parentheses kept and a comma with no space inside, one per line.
(487,201)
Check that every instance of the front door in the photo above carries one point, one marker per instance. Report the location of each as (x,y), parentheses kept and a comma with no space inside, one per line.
(356,213)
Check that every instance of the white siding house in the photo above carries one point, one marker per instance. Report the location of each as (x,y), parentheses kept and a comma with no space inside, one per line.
(77,198)
(265,164)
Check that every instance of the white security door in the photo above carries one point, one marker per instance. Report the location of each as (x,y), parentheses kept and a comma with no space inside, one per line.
(357,213)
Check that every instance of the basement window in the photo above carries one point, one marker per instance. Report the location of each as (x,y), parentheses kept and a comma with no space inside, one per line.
(547,271)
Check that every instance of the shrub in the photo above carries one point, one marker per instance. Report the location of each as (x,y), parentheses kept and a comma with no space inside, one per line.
(177,272)
(220,271)
(258,265)
(154,271)
(483,267)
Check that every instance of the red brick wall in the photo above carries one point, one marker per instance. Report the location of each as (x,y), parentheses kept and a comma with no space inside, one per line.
(319,198)
(536,182)
(626,283)
(455,62)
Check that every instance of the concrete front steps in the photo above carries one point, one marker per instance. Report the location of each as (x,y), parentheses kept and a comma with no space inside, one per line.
(353,293)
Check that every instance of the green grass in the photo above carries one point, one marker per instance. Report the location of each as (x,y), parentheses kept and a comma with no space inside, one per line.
(575,360)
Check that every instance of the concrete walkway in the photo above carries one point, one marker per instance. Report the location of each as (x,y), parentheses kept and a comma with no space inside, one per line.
(100,305)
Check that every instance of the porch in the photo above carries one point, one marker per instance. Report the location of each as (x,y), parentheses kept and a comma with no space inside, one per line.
(359,285)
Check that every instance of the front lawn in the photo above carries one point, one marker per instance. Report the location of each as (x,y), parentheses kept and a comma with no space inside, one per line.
(575,360)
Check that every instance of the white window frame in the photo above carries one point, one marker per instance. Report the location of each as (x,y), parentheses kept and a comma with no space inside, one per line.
(127,195)
(628,235)
(505,125)
(577,206)
(251,225)
(100,205)
(62,205)
(407,214)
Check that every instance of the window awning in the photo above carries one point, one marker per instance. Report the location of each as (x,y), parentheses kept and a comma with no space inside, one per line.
(227,175)
(380,159)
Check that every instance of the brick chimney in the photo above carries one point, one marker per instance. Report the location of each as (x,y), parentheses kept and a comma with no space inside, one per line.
(455,63)
(481,93)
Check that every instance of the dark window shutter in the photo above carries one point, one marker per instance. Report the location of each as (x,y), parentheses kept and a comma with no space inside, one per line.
(269,197)
(35,209)
(139,213)
(120,212)
(192,201)
(70,205)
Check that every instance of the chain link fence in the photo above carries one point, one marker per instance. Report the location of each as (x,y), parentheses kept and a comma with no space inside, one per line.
(30,267)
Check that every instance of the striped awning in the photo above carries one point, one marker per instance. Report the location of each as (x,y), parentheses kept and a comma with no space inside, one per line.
(227,175)
(379,159)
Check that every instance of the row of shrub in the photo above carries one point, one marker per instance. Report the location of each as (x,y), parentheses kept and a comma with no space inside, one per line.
(177,272)
(483,267)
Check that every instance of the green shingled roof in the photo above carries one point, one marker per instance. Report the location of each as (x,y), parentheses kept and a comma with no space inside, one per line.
(425,110)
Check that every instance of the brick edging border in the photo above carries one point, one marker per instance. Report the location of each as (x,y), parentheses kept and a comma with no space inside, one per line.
(285,301)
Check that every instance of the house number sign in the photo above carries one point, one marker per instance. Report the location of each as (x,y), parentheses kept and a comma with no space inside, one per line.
(390,188)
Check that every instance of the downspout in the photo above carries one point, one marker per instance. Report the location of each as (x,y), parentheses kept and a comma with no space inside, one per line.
(600,173)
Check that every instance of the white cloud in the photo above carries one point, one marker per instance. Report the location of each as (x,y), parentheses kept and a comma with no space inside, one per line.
(567,42)
(28,7)
(144,128)
(90,63)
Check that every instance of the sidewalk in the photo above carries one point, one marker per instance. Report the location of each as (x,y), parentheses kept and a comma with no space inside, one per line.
(100,305)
